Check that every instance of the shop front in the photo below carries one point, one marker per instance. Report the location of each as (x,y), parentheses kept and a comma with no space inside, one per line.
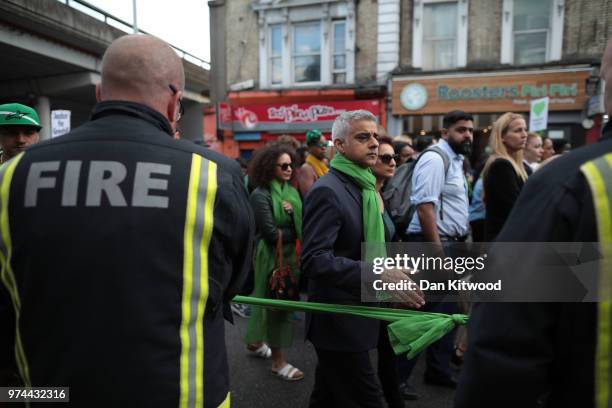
(251,119)
(420,102)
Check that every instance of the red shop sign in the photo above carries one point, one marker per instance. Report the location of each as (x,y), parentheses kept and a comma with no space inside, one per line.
(296,116)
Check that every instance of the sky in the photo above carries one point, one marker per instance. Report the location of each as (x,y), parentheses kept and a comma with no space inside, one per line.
(182,23)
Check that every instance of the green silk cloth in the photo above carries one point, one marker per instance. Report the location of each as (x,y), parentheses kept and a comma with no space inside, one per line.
(373,226)
(410,331)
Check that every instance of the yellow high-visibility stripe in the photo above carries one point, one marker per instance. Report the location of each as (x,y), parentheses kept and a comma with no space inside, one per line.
(12,290)
(7,275)
(211,190)
(194,178)
(601,193)
(8,278)
(226,402)
(196,239)
(608,159)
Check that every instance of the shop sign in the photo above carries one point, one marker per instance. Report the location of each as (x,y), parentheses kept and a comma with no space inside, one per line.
(295,116)
(489,93)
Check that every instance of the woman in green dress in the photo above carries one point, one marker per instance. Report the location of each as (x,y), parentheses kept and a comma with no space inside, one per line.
(278,208)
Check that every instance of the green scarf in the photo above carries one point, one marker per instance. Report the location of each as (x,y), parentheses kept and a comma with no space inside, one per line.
(373,226)
(410,331)
(286,192)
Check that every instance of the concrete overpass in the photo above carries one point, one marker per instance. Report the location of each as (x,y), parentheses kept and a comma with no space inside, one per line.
(51,54)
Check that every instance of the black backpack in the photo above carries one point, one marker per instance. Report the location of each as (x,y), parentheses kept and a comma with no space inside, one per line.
(398,189)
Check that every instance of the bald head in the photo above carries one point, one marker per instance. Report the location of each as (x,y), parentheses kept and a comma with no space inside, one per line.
(140,68)
(606,75)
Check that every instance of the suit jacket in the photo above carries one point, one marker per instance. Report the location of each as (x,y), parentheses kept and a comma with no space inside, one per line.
(331,261)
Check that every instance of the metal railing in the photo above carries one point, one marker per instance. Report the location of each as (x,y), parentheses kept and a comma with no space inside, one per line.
(123,25)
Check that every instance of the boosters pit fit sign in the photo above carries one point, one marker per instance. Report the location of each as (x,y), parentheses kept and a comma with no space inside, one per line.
(476,93)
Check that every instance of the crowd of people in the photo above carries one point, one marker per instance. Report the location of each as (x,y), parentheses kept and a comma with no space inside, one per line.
(453,204)
(156,237)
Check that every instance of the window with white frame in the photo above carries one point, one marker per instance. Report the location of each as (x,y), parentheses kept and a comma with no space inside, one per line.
(306,45)
(276,54)
(339,52)
(532,31)
(306,58)
(439,34)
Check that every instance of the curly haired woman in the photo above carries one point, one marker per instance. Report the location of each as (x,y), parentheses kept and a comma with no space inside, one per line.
(278,208)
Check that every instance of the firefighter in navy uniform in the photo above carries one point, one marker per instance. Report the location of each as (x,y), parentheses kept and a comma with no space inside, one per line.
(550,354)
(121,247)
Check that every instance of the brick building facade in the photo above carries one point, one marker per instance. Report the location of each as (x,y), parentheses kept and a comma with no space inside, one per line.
(529,48)
(409,61)
(287,66)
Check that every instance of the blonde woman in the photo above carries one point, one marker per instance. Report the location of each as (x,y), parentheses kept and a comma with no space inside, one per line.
(533,151)
(504,173)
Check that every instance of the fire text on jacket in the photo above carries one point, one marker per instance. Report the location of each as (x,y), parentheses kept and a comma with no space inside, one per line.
(102,178)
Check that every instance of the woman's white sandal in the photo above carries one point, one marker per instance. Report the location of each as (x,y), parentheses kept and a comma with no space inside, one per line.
(262,352)
(288,372)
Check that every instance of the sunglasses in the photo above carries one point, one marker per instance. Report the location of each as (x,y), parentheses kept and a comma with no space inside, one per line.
(181,111)
(322,145)
(285,166)
(386,158)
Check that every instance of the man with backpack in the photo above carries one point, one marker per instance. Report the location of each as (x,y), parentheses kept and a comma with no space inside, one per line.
(436,212)
(439,192)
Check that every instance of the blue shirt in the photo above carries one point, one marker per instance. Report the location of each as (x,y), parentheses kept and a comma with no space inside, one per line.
(477,207)
(428,180)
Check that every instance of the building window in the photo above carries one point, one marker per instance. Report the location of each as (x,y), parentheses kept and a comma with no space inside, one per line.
(339,52)
(305,44)
(310,58)
(532,31)
(531,27)
(307,52)
(276,54)
(439,34)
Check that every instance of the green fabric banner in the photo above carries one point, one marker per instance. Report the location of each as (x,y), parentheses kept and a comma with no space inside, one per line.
(410,331)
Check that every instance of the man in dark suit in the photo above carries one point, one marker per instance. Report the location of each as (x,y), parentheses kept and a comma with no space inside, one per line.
(333,231)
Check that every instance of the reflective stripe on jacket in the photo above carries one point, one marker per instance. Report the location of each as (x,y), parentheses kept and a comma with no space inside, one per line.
(598,173)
